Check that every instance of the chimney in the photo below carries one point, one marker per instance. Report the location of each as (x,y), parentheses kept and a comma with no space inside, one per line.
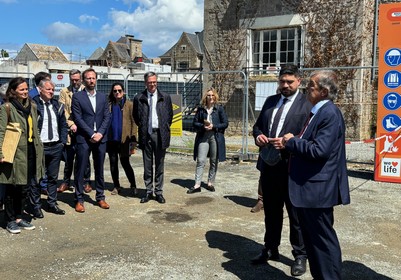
(135,46)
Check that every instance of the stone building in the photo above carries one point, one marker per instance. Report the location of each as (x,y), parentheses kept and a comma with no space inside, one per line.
(186,54)
(37,52)
(259,36)
(119,54)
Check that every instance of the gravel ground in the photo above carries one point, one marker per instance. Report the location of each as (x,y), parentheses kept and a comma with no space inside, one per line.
(200,236)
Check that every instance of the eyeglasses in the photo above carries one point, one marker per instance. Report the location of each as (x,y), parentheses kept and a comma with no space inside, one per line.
(117,90)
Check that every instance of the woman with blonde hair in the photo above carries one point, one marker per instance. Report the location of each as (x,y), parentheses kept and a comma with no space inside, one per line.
(209,123)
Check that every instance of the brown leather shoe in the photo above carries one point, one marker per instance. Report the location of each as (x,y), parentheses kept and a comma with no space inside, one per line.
(103,204)
(87,188)
(79,207)
(63,187)
(257,207)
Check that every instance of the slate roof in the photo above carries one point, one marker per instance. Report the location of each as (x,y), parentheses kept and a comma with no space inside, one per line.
(96,54)
(196,40)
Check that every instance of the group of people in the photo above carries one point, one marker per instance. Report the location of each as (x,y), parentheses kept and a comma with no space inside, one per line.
(302,165)
(84,122)
(301,138)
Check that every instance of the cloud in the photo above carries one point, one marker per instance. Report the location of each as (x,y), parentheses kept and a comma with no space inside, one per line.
(8,1)
(87,18)
(69,34)
(158,23)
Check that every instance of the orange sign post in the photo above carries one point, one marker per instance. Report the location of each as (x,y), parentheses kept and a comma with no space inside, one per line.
(388,141)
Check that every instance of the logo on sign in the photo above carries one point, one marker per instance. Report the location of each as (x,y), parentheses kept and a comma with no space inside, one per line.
(391,122)
(393,57)
(392,79)
(394,14)
(392,101)
(60,77)
(391,167)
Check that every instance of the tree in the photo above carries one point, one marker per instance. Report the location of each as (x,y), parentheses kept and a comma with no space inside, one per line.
(4,53)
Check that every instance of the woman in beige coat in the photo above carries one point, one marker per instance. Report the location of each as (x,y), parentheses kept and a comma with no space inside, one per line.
(121,137)
(18,176)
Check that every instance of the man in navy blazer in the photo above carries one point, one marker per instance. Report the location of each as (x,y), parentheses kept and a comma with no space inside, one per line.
(281,113)
(91,115)
(318,176)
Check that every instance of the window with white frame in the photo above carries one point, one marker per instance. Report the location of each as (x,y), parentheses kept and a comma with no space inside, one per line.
(276,47)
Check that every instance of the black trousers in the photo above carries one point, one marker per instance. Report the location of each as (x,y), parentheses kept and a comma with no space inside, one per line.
(153,153)
(113,149)
(16,195)
(53,155)
(274,180)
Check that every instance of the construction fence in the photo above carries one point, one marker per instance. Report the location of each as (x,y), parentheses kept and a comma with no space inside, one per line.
(242,93)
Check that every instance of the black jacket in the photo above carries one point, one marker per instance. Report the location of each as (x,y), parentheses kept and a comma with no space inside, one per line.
(164,110)
(61,121)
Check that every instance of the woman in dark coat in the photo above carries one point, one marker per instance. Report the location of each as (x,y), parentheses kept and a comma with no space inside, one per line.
(210,123)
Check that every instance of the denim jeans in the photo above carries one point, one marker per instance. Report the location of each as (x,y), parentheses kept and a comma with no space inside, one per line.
(207,145)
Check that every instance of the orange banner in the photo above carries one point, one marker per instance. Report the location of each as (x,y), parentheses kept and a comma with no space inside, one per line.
(388,141)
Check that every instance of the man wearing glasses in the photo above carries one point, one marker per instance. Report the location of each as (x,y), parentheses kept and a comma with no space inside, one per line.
(153,114)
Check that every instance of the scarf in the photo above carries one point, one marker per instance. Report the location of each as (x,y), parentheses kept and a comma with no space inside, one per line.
(116,125)
(25,108)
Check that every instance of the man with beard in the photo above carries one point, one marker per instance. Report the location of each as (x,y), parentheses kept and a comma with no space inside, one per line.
(282,113)
(91,114)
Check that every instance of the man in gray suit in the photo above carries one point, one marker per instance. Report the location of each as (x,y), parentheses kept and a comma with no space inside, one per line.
(285,112)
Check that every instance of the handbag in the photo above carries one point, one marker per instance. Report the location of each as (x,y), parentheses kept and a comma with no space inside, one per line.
(11,139)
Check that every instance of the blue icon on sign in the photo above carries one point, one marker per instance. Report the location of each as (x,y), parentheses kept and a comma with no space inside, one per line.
(393,57)
(392,79)
(391,122)
(392,101)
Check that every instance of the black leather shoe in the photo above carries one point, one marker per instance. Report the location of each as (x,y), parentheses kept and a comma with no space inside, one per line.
(37,213)
(146,198)
(298,268)
(210,188)
(160,198)
(56,210)
(194,190)
(266,255)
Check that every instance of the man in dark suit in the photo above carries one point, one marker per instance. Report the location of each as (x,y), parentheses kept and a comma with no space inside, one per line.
(53,134)
(91,115)
(318,176)
(153,114)
(282,113)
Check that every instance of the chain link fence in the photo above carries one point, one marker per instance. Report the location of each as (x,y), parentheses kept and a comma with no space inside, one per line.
(242,94)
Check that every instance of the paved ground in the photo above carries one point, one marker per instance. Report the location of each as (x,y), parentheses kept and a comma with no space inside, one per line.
(200,236)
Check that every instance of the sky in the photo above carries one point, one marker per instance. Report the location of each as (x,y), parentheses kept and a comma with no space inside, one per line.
(81,26)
